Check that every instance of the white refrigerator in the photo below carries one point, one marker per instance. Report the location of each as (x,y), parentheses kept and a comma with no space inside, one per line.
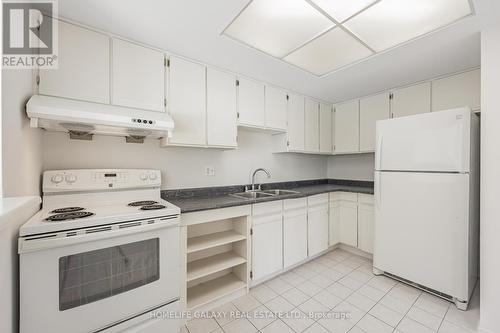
(427,201)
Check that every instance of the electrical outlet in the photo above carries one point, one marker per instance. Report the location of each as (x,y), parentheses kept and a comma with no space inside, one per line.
(209,171)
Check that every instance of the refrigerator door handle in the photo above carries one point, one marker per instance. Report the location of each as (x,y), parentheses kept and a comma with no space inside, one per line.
(378,195)
(378,153)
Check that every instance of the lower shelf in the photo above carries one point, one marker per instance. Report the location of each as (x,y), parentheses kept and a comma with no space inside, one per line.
(212,290)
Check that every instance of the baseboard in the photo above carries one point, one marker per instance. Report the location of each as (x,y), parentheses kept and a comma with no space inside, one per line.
(355,251)
(255,283)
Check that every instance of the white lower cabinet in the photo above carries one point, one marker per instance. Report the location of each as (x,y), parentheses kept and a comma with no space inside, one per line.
(352,220)
(267,238)
(294,231)
(317,223)
(334,220)
(348,226)
(365,222)
(285,233)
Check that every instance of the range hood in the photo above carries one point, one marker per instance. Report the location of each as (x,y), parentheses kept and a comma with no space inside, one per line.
(83,119)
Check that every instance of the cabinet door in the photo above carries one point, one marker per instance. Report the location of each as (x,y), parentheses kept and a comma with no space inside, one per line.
(325,128)
(251,107)
(83,71)
(371,109)
(365,223)
(347,127)
(221,108)
(348,216)
(296,123)
(311,126)
(187,102)
(334,223)
(294,237)
(457,91)
(411,100)
(317,230)
(267,242)
(276,103)
(138,76)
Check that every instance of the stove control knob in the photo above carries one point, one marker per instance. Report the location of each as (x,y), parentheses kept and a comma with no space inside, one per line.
(152,176)
(70,179)
(144,176)
(57,178)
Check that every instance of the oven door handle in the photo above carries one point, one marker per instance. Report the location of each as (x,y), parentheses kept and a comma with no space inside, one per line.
(53,240)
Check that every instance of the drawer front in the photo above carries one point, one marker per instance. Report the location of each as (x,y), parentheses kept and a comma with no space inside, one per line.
(266,208)
(317,199)
(294,203)
(345,196)
(365,198)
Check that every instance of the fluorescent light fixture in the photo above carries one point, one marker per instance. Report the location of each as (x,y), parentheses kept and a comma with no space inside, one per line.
(278,26)
(333,50)
(392,22)
(341,10)
(321,36)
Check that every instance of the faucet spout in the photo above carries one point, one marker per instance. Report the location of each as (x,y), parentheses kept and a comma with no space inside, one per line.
(255,172)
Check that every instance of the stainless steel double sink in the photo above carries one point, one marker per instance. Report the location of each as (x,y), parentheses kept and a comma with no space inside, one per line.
(262,194)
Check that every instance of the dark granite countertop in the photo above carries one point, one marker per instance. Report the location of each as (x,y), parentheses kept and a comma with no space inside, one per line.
(199,199)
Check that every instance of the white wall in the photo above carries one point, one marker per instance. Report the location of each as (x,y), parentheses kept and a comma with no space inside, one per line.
(489,11)
(184,167)
(22,149)
(355,167)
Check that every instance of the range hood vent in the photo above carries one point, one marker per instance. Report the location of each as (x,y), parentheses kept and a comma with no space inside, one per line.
(82,120)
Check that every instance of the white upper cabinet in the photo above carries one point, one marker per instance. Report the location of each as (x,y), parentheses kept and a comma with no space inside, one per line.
(346,130)
(325,128)
(275,108)
(457,91)
(371,109)
(411,100)
(187,104)
(251,108)
(295,123)
(221,109)
(311,126)
(83,71)
(138,76)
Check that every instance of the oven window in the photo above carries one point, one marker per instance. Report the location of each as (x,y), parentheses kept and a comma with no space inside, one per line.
(91,276)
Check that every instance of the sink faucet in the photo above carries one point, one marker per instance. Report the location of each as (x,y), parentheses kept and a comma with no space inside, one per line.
(253,177)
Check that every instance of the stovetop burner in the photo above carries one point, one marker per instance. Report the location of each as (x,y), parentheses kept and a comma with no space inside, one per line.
(142,203)
(66,210)
(68,216)
(152,207)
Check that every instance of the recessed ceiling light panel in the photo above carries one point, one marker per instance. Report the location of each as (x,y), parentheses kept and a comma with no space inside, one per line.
(278,26)
(392,22)
(333,50)
(341,10)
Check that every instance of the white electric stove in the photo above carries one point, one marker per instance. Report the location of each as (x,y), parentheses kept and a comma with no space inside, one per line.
(101,256)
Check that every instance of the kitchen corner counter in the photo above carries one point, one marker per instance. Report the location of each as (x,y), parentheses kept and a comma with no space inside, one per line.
(199,199)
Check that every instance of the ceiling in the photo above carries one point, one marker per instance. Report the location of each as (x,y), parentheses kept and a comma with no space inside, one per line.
(192,28)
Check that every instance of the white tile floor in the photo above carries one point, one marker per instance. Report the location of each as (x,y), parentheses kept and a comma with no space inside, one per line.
(339,283)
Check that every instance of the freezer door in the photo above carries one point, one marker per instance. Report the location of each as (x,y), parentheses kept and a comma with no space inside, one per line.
(421,229)
(434,142)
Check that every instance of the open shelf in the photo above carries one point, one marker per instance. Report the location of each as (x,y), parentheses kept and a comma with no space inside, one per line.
(211,240)
(209,291)
(206,266)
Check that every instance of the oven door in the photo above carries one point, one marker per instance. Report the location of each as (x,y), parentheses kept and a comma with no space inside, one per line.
(90,279)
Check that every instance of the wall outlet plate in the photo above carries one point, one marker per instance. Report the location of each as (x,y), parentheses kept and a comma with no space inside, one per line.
(209,171)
